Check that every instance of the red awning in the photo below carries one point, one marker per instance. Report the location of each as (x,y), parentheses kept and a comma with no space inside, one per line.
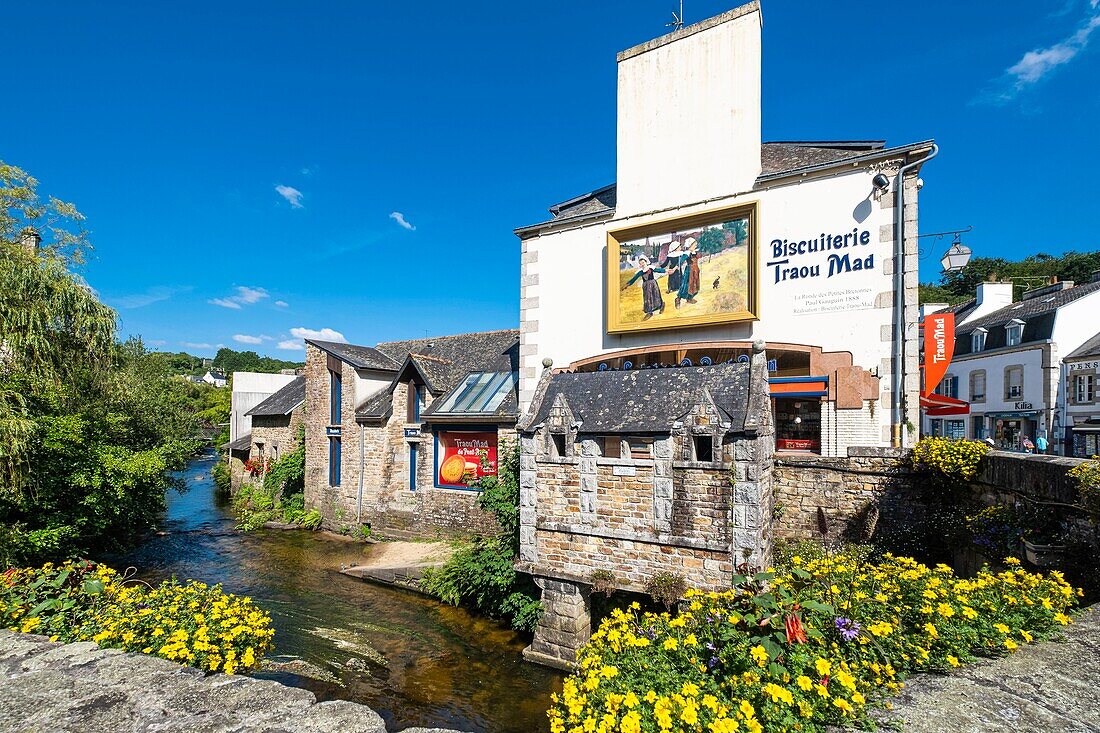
(936,405)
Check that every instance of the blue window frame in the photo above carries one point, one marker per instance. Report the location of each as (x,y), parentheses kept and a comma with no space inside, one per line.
(336,398)
(413,450)
(334,458)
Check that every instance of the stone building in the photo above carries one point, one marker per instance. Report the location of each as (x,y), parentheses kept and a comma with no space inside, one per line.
(637,473)
(398,433)
(276,420)
(249,390)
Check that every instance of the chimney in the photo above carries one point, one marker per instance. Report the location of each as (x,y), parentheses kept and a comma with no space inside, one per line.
(994,295)
(1094,277)
(30,239)
(689,108)
(1052,287)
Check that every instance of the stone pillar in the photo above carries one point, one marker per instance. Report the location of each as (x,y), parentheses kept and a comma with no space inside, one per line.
(528,494)
(586,468)
(662,485)
(565,626)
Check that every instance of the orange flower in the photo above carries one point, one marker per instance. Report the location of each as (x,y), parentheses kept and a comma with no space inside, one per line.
(796,634)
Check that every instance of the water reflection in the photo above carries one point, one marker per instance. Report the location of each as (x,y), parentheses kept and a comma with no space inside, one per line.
(413,660)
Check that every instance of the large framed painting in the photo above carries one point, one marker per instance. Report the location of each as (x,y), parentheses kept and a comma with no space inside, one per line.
(691,271)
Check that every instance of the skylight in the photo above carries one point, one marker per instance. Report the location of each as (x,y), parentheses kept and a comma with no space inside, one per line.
(479,392)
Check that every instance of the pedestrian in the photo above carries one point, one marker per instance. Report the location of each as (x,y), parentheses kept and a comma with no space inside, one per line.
(1029,447)
(1041,443)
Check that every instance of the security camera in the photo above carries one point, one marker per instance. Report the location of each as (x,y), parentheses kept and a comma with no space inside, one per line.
(920,183)
(880,182)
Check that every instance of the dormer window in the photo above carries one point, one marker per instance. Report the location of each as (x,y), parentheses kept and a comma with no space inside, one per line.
(1014,332)
(977,340)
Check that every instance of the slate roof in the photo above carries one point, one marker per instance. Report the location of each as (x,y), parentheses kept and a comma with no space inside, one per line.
(1037,312)
(443,361)
(215,375)
(646,400)
(242,443)
(284,401)
(1088,349)
(360,357)
(776,158)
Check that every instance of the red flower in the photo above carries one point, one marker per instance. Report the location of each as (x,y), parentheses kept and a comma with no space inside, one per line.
(796,634)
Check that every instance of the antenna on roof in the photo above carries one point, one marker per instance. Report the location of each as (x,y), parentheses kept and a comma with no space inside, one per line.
(677,20)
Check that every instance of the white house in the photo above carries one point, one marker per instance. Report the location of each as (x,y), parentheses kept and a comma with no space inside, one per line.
(215,378)
(795,243)
(1081,399)
(1008,362)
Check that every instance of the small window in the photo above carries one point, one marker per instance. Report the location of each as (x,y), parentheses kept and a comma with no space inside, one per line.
(557,441)
(336,399)
(415,394)
(1014,382)
(1014,333)
(612,446)
(413,449)
(704,447)
(977,386)
(640,448)
(977,340)
(1085,390)
(955,429)
(334,451)
(949,387)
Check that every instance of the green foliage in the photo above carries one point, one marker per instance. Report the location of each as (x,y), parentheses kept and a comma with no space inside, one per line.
(1087,475)
(190,623)
(287,475)
(311,520)
(228,361)
(958,287)
(813,645)
(279,498)
(666,588)
(89,429)
(222,476)
(482,574)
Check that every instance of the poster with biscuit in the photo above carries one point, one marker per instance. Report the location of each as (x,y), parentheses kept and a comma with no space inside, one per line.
(464,457)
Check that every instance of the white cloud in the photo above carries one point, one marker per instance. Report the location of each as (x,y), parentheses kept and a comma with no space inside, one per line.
(401,221)
(155,294)
(156,342)
(324,334)
(292,195)
(244,338)
(245,296)
(282,304)
(192,345)
(1037,64)
(291,345)
(309,170)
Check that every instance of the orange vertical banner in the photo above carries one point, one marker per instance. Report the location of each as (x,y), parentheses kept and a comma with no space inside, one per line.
(939,347)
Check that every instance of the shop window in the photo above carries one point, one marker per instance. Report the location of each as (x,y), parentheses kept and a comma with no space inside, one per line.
(334,459)
(1014,333)
(557,445)
(335,398)
(977,386)
(797,424)
(612,446)
(640,448)
(955,429)
(978,426)
(1014,382)
(415,395)
(977,340)
(704,447)
(1084,388)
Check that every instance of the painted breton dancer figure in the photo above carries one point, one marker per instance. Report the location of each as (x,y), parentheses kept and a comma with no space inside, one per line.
(689,272)
(652,302)
(671,262)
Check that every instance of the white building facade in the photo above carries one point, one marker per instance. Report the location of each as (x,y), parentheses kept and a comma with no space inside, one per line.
(815,222)
(1081,400)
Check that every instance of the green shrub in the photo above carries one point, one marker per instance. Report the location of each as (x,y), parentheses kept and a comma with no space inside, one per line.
(311,520)
(955,460)
(190,623)
(221,475)
(1087,475)
(666,588)
(811,646)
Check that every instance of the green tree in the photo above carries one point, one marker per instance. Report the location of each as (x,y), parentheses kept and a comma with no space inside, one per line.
(1026,274)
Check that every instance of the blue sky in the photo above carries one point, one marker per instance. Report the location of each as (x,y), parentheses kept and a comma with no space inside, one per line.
(241,164)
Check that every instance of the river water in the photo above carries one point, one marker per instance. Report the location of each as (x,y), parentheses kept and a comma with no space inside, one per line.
(415,661)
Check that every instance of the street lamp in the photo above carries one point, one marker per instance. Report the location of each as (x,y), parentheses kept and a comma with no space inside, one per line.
(956,257)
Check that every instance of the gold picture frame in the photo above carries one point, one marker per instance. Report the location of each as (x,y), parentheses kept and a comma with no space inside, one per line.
(724,253)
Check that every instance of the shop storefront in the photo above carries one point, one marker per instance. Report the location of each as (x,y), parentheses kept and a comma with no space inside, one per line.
(1008,429)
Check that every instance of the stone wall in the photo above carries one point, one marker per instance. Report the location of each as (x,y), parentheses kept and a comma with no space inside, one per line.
(80,688)
(278,434)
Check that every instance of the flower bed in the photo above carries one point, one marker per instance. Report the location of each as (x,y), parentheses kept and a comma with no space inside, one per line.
(190,623)
(814,644)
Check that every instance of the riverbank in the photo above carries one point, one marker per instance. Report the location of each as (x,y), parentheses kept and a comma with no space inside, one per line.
(80,688)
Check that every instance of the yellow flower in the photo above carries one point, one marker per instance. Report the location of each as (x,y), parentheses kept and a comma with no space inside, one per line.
(805,682)
(759,654)
(822,666)
(952,660)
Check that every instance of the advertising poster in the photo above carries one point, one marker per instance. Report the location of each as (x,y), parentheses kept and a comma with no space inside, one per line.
(462,457)
(687,272)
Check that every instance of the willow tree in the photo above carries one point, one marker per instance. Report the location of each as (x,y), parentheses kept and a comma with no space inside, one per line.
(51,323)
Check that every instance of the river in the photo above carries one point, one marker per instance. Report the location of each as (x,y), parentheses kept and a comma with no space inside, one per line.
(415,661)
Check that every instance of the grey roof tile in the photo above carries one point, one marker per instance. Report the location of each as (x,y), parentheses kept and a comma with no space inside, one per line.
(284,401)
(360,357)
(1087,349)
(1039,304)
(242,443)
(646,400)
